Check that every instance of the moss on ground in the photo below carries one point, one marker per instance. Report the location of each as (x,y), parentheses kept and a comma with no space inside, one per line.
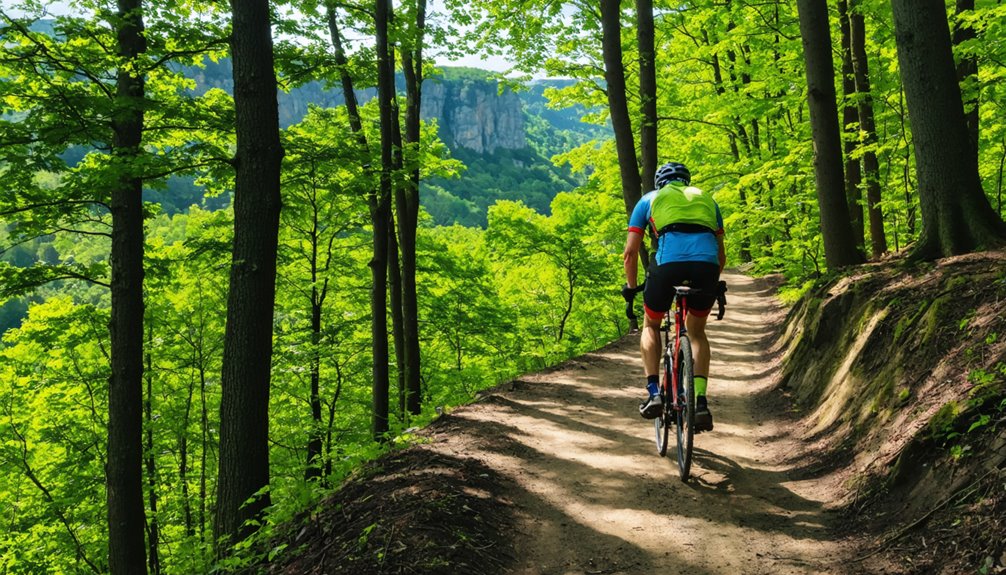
(930,391)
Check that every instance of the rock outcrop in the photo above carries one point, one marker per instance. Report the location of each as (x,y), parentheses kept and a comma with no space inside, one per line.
(473,114)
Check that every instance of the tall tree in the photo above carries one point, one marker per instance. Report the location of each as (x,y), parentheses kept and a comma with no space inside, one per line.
(126,520)
(320,202)
(850,124)
(621,122)
(244,402)
(647,91)
(867,126)
(381,217)
(150,457)
(407,204)
(839,245)
(378,202)
(956,215)
(967,66)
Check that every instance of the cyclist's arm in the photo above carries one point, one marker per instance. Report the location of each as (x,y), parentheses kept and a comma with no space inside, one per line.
(631,257)
(722,255)
(723,252)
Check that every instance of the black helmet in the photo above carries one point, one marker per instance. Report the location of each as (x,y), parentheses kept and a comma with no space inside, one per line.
(672,171)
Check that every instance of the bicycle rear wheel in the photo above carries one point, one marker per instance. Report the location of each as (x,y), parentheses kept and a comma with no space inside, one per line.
(685,416)
(662,424)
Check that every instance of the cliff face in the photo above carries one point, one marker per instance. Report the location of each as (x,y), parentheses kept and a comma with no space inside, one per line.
(470,112)
(472,115)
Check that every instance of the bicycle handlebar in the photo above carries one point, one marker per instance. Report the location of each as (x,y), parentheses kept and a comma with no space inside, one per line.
(721,299)
(630,295)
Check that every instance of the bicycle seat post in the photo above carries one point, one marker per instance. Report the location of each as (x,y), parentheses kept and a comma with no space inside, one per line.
(681,305)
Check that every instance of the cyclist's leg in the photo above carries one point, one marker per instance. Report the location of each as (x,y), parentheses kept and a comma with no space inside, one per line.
(706,277)
(657,298)
(696,325)
(649,349)
(649,345)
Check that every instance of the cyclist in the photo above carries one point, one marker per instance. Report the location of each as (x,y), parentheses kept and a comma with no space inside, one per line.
(689,250)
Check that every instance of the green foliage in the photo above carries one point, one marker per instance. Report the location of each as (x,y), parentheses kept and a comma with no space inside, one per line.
(519,259)
(488,178)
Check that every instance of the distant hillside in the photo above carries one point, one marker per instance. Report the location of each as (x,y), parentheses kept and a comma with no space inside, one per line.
(505,138)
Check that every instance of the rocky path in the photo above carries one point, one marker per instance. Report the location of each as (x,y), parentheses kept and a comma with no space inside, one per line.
(592,496)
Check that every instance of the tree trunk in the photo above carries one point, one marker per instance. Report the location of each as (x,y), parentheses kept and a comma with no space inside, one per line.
(647,91)
(867,125)
(352,107)
(244,401)
(621,124)
(967,70)
(204,424)
(153,531)
(839,245)
(380,215)
(124,477)
(850,121)
(407,199)
(380,212)
(399,196)
(956,216)
(315,439)
(397,318)
(183,457)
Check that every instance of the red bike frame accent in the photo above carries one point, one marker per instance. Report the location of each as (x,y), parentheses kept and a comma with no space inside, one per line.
(680,313)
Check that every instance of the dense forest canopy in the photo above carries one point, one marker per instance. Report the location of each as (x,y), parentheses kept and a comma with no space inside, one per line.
(411,271)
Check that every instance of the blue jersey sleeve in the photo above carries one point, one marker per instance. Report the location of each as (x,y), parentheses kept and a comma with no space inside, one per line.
(640,217)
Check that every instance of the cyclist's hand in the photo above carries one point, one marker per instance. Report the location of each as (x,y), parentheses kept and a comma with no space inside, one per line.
(628,294)
(721,298)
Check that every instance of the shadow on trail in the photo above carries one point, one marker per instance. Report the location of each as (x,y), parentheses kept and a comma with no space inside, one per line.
(786,512)
(772,508)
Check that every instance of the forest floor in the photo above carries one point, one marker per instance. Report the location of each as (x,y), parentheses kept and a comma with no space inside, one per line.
(556,473)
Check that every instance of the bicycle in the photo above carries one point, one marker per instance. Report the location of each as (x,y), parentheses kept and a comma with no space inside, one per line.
(677,389)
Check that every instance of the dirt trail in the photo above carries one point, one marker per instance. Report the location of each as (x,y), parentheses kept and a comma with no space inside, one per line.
(592,496)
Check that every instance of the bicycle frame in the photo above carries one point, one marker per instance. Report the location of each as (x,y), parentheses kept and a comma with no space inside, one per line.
(680,309)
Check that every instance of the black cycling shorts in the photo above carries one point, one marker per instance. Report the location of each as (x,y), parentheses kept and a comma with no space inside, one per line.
(661,280)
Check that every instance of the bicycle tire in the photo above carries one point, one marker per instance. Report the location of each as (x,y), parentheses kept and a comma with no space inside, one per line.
(662,424)
(685,428)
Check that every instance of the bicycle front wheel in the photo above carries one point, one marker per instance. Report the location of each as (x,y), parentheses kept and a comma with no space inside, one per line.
(685,414)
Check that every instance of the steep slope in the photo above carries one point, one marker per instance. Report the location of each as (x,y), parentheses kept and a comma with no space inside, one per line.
(901,374)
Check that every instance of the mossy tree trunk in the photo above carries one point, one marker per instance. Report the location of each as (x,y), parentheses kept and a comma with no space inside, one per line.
(839,244)
(957,217)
